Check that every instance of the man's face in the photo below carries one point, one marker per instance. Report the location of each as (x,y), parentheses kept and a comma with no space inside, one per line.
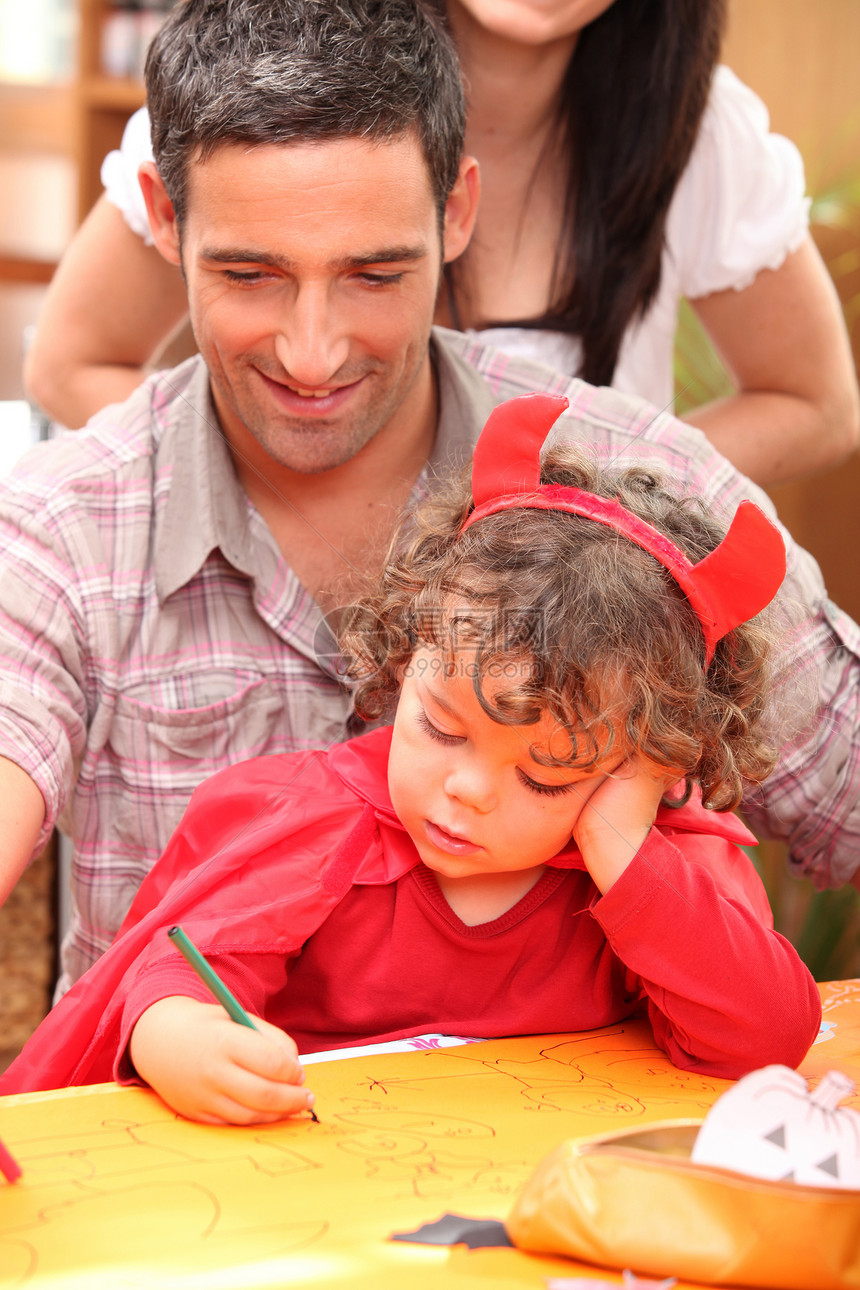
(312,271)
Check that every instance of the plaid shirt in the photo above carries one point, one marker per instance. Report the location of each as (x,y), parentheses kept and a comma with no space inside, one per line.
(151,633)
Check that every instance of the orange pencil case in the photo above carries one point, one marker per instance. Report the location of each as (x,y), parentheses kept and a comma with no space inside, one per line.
(636,1200)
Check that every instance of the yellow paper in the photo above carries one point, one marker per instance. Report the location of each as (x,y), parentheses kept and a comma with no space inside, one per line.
(119,1192)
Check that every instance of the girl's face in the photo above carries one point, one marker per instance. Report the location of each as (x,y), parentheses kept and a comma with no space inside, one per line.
(466,788)
(530,22)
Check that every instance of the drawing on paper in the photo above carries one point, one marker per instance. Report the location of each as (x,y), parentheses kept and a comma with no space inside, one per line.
(115,1186)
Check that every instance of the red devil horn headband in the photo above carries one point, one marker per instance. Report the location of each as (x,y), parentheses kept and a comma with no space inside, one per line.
(729,586)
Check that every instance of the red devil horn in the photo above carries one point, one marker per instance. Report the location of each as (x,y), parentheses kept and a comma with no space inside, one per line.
(506,460)
(738,579)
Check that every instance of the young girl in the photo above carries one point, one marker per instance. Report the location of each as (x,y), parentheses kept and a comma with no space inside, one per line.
(528,849)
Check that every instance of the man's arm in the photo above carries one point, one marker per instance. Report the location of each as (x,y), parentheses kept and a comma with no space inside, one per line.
(22,814)
(812,798)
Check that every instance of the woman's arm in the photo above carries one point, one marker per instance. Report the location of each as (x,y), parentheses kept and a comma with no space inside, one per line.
(111,305)
(786,348)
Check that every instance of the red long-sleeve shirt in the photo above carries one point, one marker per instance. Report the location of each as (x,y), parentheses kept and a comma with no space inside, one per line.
(295,878)
(723,992)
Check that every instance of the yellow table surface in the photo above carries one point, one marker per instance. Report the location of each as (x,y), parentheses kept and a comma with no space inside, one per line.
(118,1192)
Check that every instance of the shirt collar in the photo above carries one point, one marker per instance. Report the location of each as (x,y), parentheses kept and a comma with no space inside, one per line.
(206,506)
(465,402)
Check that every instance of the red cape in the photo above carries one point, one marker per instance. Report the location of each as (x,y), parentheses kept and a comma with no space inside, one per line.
(264,852)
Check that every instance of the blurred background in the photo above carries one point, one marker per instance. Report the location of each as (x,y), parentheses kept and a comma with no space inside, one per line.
(70,78)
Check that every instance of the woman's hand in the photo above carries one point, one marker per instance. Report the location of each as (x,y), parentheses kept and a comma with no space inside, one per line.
(618,815)
(210,1069)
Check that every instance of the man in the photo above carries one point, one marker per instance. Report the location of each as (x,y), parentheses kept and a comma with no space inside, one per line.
(166,573)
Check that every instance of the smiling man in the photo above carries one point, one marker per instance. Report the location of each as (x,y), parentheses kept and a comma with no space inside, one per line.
(311,292)
(312,272)
(167,572)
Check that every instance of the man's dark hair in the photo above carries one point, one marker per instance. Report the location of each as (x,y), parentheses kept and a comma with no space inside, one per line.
(297,71)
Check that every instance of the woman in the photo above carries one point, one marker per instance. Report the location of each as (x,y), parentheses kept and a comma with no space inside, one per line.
(619,174)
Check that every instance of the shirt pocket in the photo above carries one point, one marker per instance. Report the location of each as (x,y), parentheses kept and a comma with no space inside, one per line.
(156,755)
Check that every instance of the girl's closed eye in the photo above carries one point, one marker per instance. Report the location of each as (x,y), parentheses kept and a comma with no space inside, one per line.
(434,732)
(547,790)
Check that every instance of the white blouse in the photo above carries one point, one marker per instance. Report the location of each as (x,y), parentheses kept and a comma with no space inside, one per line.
(739,208)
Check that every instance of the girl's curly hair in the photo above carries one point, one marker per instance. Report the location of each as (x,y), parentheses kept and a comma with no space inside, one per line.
(615,651)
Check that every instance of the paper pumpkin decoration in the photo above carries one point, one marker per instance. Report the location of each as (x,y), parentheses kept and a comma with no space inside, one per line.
(769,1125)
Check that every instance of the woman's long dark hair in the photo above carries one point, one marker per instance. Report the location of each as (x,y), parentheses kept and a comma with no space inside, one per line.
(632,104)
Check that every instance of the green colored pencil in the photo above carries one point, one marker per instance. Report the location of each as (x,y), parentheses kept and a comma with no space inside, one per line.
(213,982)
(210,978)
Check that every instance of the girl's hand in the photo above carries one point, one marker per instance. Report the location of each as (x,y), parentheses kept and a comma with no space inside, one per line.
(210,1069)
(616,819)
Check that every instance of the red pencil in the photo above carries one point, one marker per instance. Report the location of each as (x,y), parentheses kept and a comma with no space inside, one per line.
(8,1166)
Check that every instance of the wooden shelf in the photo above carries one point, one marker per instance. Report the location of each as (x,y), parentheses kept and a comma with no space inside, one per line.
(112,93)
(22,268)
(103,103)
